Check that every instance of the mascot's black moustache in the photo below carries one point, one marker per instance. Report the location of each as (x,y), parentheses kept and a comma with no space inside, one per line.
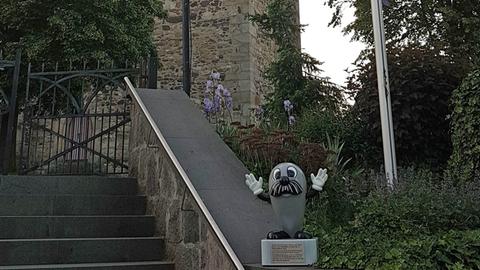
(293,188)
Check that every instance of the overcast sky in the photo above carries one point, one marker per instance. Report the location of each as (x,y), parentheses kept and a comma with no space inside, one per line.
(327,44)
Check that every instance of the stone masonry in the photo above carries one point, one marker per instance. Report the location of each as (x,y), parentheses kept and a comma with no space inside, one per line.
(222,40)
(190,241)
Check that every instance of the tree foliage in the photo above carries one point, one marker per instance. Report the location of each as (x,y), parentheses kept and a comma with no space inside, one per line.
(432,45)
(421,81)
(71,29)
(293,74)
(448,25)
(465,160)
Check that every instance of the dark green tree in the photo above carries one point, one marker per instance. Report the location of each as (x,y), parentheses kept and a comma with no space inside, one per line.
(431,45)
(72,29)
(422,81)
(293,74)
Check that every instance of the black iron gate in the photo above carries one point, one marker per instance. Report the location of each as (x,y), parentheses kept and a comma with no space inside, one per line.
(77,121)
(8,102)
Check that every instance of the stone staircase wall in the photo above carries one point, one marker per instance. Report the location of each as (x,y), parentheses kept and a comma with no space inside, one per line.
(189,240)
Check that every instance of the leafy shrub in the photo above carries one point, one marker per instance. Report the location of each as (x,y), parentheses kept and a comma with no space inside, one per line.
(421,225)
(335,205)
(458,250)
(318,124)
(465,160)
(355,249)
(422,81)
(261,149)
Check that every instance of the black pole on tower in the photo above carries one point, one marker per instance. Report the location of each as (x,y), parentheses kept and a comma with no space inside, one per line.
(187,63)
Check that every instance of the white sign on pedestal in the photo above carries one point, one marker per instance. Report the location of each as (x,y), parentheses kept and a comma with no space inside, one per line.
(289,252)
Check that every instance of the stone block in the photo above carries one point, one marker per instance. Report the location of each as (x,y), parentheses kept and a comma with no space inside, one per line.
(191,227)
(174,223)
(188,257)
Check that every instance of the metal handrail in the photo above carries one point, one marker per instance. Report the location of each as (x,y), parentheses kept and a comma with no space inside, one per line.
(186,179)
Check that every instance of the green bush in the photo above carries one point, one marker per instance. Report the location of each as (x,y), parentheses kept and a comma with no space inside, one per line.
(318,124)
(421,225)
(335,205)
(422,81)
(465,160)
(355,249)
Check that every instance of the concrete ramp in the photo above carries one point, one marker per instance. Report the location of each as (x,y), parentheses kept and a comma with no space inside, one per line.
(213,170)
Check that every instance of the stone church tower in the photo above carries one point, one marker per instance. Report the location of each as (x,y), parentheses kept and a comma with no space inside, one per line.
(223,40)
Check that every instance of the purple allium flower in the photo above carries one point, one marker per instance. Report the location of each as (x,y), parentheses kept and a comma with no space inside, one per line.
(259,112)
(226,93)
(218,91)
(291,120)
(207,105)
(215,75)
(217,100)
(229,102)
(209,84)
(228,98)
(287,106)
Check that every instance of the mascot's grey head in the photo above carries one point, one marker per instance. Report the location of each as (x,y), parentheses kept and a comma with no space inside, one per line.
(287,179)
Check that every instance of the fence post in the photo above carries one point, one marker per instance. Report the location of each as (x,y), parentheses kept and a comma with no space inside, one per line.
(152,72)
(186,47)
(12,116)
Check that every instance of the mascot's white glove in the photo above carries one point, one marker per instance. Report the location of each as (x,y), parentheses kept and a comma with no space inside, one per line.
(254,184)
(319,180)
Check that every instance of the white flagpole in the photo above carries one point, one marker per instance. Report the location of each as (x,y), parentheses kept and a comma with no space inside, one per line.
(384,93)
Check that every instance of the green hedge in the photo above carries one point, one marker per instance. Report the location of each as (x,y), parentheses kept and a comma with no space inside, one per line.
(422,225)
(465,160)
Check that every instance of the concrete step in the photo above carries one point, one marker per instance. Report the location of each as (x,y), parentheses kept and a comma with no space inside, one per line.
(37,227)
(260,267)
(14,184)
(68,205)
(152,265)
(80,250)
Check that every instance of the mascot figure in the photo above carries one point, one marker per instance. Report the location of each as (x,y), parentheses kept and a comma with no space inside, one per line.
(288,193)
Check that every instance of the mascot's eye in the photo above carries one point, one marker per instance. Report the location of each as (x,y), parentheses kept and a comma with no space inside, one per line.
(276,174)
(291,172)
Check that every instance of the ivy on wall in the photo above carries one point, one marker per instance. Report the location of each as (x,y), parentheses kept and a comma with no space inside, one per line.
(465,160)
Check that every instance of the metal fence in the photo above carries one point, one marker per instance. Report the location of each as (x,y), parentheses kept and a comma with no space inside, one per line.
(77,120)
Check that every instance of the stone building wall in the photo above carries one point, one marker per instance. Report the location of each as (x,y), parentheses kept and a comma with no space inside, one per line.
(190,241)
(261,54)
(222,39)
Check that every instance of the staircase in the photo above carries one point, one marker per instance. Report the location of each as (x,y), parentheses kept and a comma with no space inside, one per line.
(75,222)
